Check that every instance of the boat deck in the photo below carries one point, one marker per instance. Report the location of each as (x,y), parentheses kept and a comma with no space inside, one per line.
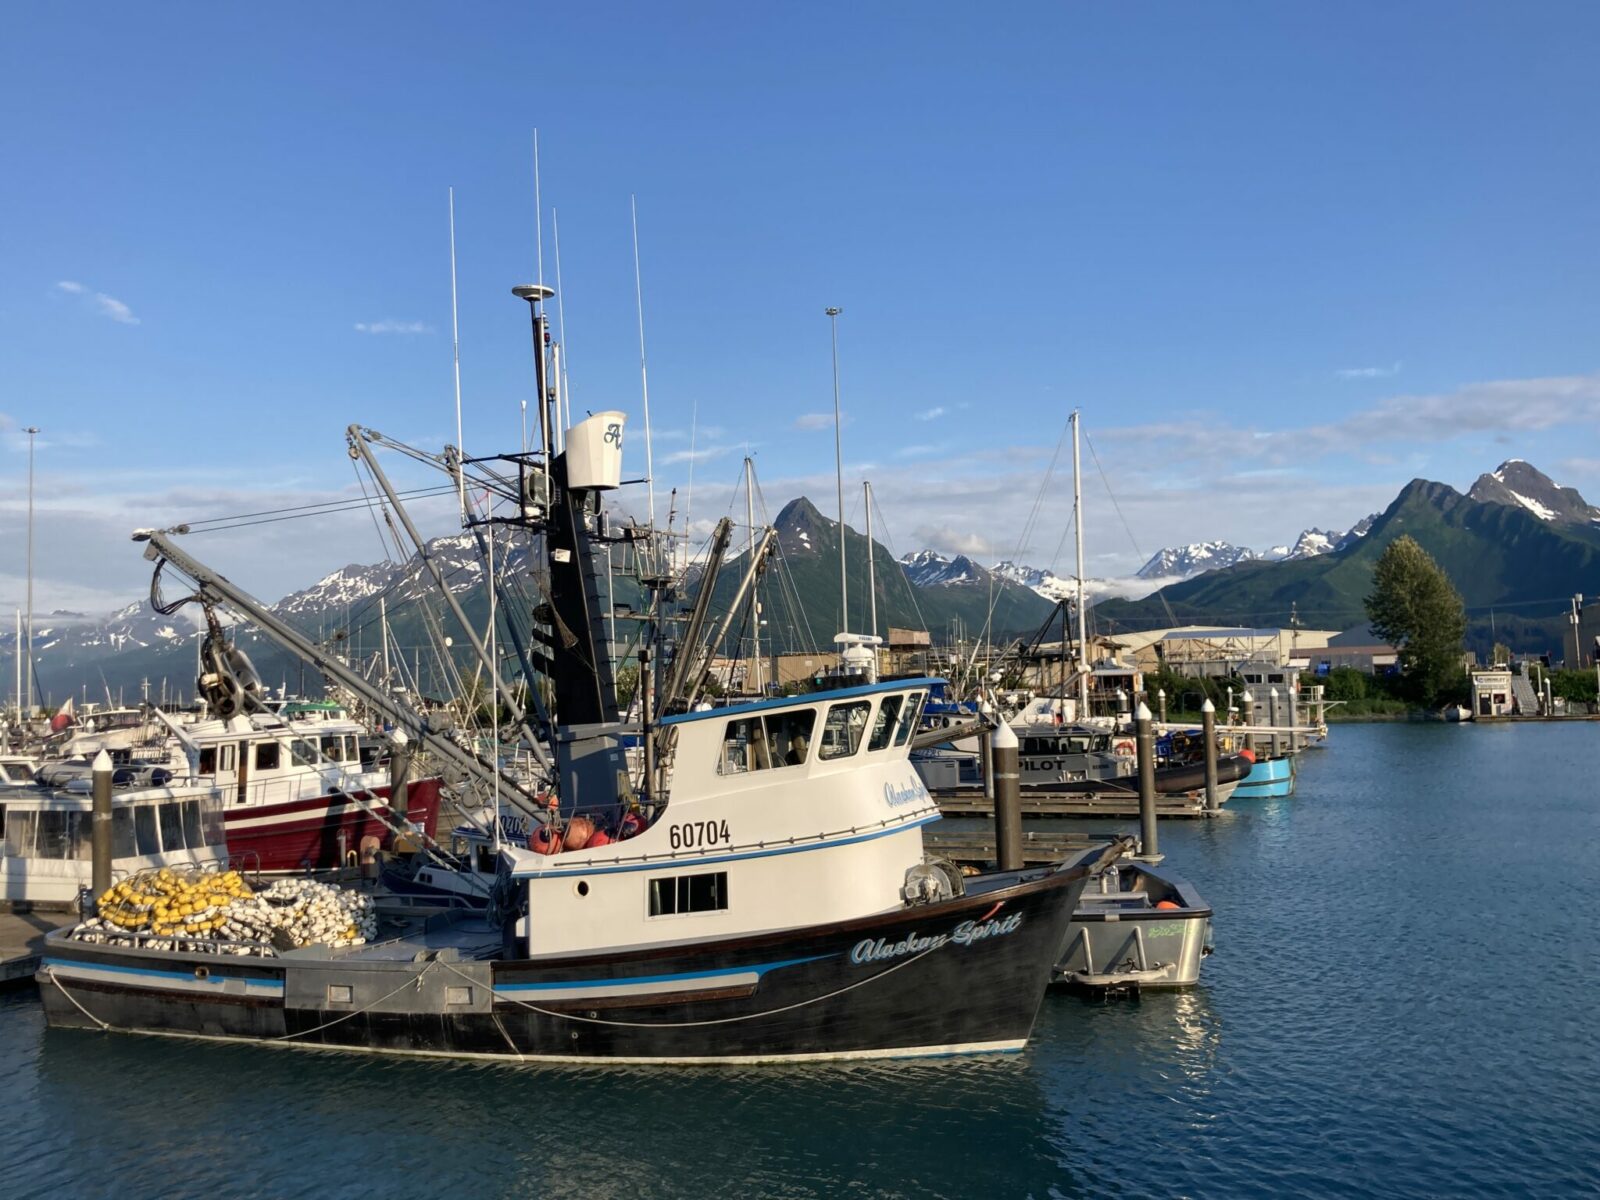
(470,938)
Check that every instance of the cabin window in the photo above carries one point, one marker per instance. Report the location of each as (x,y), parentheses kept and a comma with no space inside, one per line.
(19,833)
(841,734)
(19,772)
(191,824)
(211,821)
(122,833)
(144,829)
(333,749)
(883,727)
(208,760)
(689,894)
(743,748)
(908,719)
(171,828)
(303,753)
(266,756)
(225,759)
(790,734)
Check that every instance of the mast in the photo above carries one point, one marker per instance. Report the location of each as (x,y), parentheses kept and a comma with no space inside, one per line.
(755,593)
(1077,528)
(872,578)
(838,460)
(31,431)
(455,339)
(644,378)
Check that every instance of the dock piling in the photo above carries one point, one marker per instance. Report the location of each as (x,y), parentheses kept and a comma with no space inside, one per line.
(100,826)
(1007,776)
(1208,734)
(1272,720)
(1149,850)
(399,770)
(1293,695)
(1249,703)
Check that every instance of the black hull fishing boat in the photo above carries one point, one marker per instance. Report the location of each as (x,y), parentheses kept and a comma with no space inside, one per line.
(753,886)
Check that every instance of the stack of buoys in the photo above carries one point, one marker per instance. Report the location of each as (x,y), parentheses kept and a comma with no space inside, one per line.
(546,839)
(216,912)
(578,834)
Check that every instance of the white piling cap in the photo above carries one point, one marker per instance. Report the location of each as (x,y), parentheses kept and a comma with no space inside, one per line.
(102,763)
(1208,707)
(1247,697)
(398,737)
(1142,713)
(1273,692)
(1003,737)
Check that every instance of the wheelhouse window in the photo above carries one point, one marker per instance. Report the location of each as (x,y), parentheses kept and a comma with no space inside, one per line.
(171,828)
(780,739)
(303,753)
(19,833)
(841,734)
(208,760)
(333,748)
(266,756)
(211,821)
(908,718)
(883,725)
(190,810)
(18,772)
(682,894)
(122,833)
(144,829)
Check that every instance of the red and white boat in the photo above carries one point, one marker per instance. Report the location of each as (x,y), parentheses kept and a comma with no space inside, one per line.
(294,791)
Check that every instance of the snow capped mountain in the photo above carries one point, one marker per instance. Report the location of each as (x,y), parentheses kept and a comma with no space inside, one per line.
(1183,561)
(929,568)
(1042,580)
(1357,531)
(1516,482)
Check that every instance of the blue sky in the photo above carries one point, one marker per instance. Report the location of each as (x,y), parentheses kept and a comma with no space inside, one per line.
(1283,257)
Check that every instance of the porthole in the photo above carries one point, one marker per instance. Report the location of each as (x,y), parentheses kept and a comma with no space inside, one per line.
(583,887)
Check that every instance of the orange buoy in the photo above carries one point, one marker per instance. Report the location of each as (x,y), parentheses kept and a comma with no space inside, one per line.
(580,831)
(1248,755)
(1168,904)
(630,826)
(545,840)
(598,838)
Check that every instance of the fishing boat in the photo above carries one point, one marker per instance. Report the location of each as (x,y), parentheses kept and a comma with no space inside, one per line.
(1268,778)
(759,891)
(46,859)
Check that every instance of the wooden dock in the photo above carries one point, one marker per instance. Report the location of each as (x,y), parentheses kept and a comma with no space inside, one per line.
(21,941)
(977,846)
(971,802)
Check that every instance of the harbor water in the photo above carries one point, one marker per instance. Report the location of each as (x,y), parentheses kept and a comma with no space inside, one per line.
(1400,1005)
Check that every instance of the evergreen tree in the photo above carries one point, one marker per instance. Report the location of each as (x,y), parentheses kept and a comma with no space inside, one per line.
(1414,606)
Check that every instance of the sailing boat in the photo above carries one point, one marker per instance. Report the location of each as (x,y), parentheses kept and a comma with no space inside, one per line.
(762,890)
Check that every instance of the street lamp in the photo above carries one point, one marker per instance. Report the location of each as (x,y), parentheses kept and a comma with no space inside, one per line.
(838,461)
(31,431)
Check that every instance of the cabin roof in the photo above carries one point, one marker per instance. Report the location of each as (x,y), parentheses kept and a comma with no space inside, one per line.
(867,689)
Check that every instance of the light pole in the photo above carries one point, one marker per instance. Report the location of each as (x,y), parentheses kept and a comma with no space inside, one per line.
(838,462)
(31,431)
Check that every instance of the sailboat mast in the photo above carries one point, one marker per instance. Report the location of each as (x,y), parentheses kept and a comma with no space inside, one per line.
(755,593)
(872,579)
(1077,527)
(838,462)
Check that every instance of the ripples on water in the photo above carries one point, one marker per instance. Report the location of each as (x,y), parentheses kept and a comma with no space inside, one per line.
(1399,1006)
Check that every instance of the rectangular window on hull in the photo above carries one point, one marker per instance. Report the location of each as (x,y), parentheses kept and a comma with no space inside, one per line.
(171,828)
(688,894)
(266,756)
(122,832)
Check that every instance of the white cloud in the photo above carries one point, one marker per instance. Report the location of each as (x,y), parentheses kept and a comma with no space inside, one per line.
(1368,372)
(393,326)
(820,420)
(106,306)
(932,414)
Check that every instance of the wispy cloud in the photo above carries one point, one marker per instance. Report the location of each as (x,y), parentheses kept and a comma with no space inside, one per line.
(932,414)
(820,420)
(106,306)
(1369,372)
(392,326)
(699,455)
(922,450)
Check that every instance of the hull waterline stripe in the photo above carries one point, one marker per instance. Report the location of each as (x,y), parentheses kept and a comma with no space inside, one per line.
(695,980)
(73,968)
(670,864)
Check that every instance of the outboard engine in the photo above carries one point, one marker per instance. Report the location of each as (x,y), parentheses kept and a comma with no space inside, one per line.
(933,881)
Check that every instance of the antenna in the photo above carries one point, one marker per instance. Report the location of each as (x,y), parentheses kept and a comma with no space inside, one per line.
(564,388)
(538,237)
(644,378)
(833,312)
(455,337)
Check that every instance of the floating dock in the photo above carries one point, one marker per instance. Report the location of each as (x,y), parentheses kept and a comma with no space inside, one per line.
(977,846)
(21,937)
(1118,805)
